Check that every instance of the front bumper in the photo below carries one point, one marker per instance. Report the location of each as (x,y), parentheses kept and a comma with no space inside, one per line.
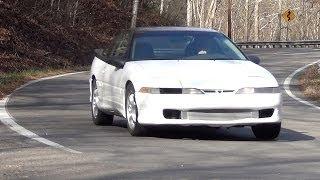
(151,108)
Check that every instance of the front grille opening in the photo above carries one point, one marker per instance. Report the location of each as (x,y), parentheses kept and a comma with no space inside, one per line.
(170,91)
(172,114)
(217,91)
(230,111)
(266,113)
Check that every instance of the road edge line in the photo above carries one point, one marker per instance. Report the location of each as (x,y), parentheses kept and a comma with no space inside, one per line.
(10,121)
(287,83)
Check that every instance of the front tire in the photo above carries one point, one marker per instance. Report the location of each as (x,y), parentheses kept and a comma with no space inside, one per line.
(134,128)
(98,117)
(266,131)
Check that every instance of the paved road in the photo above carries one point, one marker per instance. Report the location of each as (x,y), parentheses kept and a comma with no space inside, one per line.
(58,110)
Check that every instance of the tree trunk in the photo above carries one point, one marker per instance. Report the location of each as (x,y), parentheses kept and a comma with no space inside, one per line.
(318,22)
(201,17)
(304,27)
(58,5)
(194,12)
(247,21)
(197,11)
(307,24)
(134,13)
(229,19)
(75,13)
(211,13)
(161,6)
(189,12)
(51,4)
(279,20)
(256,20)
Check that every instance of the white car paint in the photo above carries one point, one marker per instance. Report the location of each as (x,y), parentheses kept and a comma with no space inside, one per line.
(200,74)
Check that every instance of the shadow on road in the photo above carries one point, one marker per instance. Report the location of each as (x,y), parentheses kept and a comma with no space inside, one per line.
(211,133)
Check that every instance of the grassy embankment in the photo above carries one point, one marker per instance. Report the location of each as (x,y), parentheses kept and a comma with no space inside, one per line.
(11,81)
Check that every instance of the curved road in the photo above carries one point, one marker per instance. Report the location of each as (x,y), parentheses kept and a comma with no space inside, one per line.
(58,110)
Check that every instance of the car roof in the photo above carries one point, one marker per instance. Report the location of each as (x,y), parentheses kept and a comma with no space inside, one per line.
(172,28)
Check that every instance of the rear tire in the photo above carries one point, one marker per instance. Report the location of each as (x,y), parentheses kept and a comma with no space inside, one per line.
(98,117)
(134,127)
(266,131)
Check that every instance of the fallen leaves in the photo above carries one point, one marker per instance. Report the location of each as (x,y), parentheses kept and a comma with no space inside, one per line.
(310,82)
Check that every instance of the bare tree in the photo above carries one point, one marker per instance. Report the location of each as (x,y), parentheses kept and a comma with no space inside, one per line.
(134,13)
(75,12)
(161,6)
(211,13)
(201,12)
(256,20)
(189,12)
(304,12)
(246,26)
(51,4)
(279,20)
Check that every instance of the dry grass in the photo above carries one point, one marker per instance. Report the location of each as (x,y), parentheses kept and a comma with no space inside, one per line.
(310,82)
(11,81)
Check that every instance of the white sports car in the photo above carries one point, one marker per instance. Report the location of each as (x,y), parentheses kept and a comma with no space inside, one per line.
(182,76)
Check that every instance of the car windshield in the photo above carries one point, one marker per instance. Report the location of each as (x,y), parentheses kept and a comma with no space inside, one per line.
(184,45)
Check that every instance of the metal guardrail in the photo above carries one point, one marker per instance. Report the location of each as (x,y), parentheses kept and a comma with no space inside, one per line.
(274,44)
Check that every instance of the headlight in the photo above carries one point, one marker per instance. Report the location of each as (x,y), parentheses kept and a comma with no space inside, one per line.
(259,90)
(170,90)
(192,91)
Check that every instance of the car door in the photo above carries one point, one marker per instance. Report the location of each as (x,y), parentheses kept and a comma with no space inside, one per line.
(113,75)
(99,65)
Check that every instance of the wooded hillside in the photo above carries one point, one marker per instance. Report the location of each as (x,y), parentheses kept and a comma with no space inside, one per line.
(62,33)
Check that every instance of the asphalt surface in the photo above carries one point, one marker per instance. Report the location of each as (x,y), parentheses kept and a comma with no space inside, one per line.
(58,110)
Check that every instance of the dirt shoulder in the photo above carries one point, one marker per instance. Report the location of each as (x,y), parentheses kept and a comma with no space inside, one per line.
(310,82)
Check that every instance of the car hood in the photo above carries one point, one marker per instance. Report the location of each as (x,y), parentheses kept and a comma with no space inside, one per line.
(206,74)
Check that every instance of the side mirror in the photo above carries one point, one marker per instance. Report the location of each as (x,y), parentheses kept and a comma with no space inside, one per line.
(100,53)
(117,62)
(254,59)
